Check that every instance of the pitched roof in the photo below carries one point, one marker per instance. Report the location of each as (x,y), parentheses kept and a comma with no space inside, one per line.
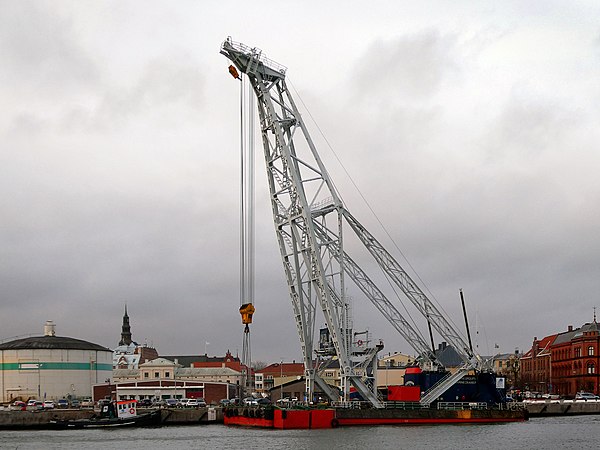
(160,362)
(448,356)
(285,369)
(207,372)
(578,332)
(126,373)
(543,346)
(186,361)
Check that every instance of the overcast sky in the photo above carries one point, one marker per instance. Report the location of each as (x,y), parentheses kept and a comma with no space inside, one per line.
(471,128)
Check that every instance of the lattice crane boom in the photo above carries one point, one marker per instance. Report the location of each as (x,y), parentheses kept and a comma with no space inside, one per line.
(310,219)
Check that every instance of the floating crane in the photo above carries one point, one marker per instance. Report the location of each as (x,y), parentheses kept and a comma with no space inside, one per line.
(311,223)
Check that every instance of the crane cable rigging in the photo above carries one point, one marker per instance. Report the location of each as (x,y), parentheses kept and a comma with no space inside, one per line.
(246,225)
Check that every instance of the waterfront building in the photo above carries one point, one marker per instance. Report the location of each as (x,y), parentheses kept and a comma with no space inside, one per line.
(508,365)
(575,361)
(391,369)
(535,366)
(162,378)
(205,361)
(51,367)
(564,363)
(129,354)
(165,369)
(276,374)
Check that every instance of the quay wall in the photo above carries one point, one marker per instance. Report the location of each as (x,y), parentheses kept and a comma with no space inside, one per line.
(562,407)
(40,419)
(184,416)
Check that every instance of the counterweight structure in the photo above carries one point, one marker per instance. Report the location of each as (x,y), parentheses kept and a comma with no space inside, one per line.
(310,221)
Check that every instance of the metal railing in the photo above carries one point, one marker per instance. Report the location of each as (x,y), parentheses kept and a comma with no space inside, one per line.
(254,53)
(405,405)
(462,405)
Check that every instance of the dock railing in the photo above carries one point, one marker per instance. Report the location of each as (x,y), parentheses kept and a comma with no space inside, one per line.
(462,405)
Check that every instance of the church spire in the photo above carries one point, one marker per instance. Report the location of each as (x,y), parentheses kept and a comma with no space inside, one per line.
(125,329)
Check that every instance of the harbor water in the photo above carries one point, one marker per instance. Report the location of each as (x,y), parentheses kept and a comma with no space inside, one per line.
(576,432)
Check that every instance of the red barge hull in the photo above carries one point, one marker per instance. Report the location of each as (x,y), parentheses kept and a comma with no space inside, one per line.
(306,419)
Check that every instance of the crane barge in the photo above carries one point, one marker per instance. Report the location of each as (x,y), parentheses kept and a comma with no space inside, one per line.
(312,224)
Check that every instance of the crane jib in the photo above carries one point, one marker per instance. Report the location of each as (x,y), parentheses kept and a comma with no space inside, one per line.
(311,225)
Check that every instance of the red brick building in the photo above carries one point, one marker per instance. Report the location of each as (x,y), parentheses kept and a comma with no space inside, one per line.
(233,362)
(536,366)
(564,363)
(575,361)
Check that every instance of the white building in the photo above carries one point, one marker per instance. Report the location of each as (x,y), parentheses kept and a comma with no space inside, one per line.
(52,367)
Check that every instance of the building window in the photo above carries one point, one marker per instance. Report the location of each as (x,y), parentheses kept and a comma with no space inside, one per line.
(146,374)
(591,368)
(591,350)
(577,352)
(167,374)
(156,374)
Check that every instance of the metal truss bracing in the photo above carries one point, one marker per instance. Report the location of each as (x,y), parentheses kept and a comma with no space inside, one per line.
(380,301)
(298,182)
(310,219)
(414,293)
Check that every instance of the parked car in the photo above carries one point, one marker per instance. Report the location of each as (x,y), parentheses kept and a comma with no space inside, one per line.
(192,403)
(224,402)
(31,402)
(75,404)
(18,406)
(40,405)
(62,403)
(49,404)
(159,404)
(87,403)
(171,403)
(181,402)
(145,403)
(263,401)
(586,396)
(201,402)
(249,401)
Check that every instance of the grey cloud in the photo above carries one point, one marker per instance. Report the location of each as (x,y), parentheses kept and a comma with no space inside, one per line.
(40,49)
(164,82)
(168,87)
(530,128)
(412,66)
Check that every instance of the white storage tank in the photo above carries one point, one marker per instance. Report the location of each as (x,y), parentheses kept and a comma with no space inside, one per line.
(51,367)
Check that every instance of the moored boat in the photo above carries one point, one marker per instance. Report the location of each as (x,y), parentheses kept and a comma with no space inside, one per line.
(120,414)
(396,413)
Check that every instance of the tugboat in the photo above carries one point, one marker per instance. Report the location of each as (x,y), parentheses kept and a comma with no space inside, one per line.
(122,413)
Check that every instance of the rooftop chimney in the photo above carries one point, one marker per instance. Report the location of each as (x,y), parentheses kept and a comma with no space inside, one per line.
(570,327)
(49,328)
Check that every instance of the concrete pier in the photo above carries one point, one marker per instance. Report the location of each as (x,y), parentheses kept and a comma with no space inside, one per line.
(541,408)
(169,416)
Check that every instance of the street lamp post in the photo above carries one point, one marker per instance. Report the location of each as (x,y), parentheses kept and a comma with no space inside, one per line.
(281,379)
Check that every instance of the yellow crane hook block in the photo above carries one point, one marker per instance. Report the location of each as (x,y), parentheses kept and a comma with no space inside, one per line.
(246,310)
